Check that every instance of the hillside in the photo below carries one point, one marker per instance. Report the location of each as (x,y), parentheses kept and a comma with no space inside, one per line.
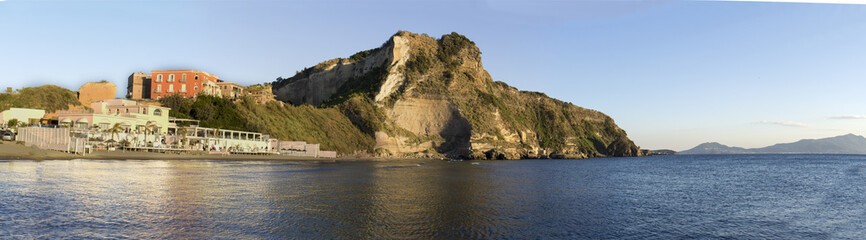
(326,126)
(48,97)
(845,144)
(715,148)
(420,95)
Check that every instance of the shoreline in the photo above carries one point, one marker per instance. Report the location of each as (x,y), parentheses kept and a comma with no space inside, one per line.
(15,151)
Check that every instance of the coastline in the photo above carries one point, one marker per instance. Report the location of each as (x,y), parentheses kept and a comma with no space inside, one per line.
(15,151)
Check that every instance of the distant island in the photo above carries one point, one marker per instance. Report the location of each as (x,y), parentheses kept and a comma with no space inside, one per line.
(845,144)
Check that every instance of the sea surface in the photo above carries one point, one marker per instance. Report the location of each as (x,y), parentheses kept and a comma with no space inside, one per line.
(660,197)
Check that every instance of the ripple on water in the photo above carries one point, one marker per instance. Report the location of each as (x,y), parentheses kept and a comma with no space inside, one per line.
(748,196)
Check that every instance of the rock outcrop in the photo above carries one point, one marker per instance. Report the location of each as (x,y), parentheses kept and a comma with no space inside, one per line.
(96,91)
(419,96)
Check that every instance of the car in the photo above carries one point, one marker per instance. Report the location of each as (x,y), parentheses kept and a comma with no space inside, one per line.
(7,136)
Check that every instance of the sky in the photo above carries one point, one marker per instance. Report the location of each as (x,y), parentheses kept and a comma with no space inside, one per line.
(673,74)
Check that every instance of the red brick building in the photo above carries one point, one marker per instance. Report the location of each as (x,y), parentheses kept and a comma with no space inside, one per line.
(188,83)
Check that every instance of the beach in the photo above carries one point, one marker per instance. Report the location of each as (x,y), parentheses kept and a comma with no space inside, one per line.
(14,151)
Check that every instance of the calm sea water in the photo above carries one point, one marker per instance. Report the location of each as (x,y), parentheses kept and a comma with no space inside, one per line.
(665,197)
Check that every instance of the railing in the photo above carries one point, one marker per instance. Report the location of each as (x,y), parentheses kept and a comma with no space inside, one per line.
(75,111)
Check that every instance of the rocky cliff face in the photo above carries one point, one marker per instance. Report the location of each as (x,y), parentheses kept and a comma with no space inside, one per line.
(421,96)
(96,91)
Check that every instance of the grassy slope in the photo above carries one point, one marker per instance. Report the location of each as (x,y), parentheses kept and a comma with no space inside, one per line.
(326,126)
(49,97)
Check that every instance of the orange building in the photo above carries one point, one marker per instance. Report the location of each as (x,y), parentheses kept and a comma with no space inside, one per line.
(188,83)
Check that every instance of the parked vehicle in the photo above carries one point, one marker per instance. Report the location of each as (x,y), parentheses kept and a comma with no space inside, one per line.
(7,136)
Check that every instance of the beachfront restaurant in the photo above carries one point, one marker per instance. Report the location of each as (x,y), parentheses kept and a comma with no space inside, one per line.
(222,140)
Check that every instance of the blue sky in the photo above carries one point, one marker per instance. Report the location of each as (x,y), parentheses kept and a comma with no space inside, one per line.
(673,74)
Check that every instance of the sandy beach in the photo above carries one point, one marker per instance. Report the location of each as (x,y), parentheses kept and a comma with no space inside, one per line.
(15,151)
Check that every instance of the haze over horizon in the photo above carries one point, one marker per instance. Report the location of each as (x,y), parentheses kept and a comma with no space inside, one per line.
(673,74)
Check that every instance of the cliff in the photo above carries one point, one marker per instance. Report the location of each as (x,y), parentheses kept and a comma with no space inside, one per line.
(416,95)
(96,91)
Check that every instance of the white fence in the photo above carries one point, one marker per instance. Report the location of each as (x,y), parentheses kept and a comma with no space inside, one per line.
(58,139)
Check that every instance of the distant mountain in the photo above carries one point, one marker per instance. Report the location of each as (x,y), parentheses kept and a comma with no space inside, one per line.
(715,148)
(845,144)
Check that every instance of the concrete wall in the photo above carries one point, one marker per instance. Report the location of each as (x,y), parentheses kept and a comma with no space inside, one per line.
(291,145)
(327,154)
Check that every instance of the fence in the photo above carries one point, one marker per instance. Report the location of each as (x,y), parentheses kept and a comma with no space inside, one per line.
(58,139)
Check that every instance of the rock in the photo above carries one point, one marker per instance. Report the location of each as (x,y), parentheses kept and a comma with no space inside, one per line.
(416,93)
(96,91)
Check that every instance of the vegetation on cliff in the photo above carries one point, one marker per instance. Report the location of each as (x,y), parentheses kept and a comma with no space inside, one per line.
(505,122)
(48,97)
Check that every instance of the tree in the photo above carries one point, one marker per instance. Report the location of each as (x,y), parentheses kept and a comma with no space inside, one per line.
(15,124)
(182,132)
(204,112)
(115,130)
(149,127)
(12,123)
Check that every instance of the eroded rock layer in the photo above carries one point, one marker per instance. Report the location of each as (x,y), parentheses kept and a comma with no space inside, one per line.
(420,96)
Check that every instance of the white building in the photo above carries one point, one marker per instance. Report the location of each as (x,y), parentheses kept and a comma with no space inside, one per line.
(109,112)
(26,115)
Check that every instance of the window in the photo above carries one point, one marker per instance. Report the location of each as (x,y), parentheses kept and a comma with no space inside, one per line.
(158,88)
(157,112)
(159,78)
(195,88)
(183,78)
(171,78)
(183,88)
(170,87)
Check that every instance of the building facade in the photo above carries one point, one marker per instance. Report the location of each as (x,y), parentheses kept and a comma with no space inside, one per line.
(231,90)
(138,86)
(188,83)
(262,93)
(105,114)
(25,115)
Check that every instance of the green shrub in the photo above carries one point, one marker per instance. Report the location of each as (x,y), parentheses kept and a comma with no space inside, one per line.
(48,97)
(450,45)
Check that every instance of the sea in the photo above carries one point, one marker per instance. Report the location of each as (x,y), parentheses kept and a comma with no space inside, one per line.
(658,197)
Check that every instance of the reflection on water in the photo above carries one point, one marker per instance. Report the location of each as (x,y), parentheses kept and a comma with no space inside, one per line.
(669,197)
